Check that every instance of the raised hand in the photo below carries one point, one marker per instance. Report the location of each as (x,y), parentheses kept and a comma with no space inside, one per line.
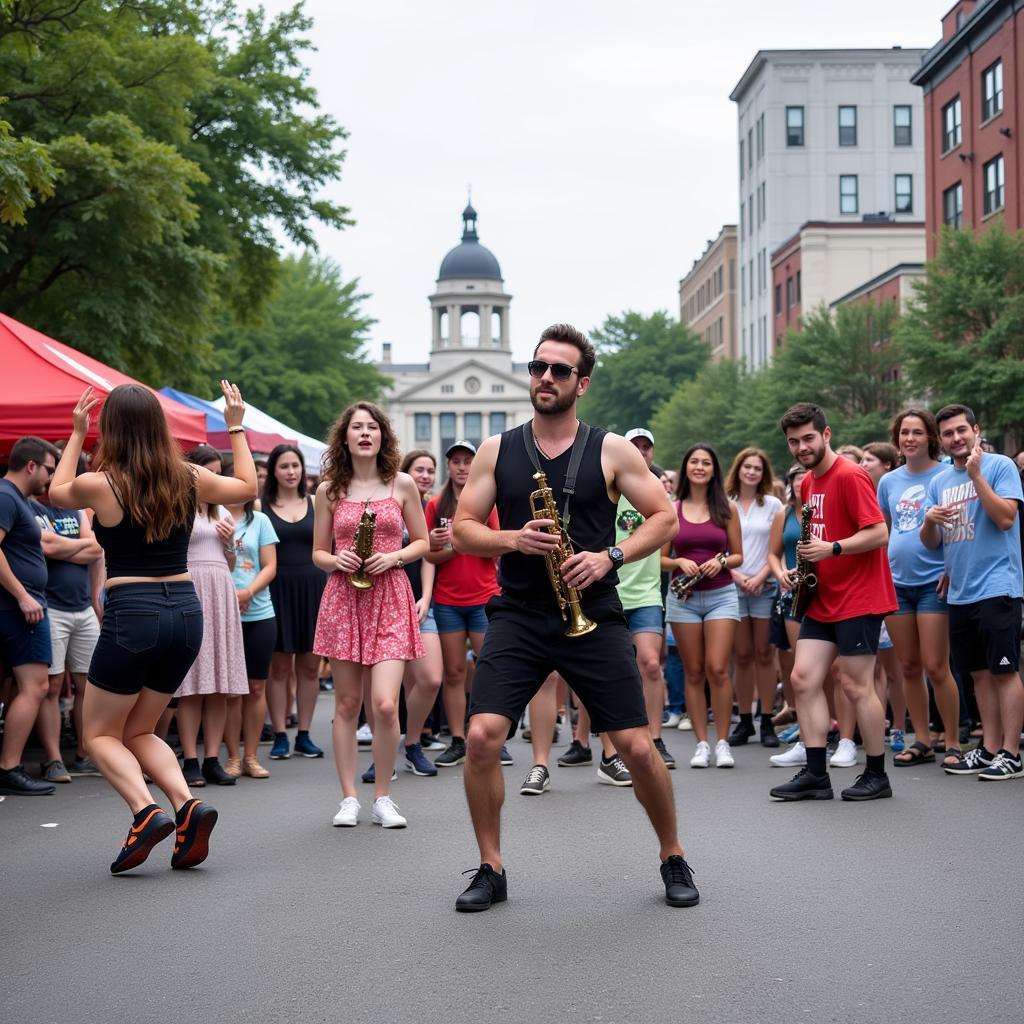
(82,412)
(234,407)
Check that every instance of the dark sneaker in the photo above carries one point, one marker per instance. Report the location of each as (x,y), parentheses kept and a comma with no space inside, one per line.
(742,731)
(326,685)
(17,782)
(537,781)
(576,755)
(487,888)
(54,771)
(429,742)
(870,786)
(678,878)
(370,775)
(156,824)
(305,747)
(506,757)
(1005,766)
(417,762)
(670,761)
(213,772)
(804,786)
(193,774)
(83,766)
(195,822)
(614,772)
(281,750)
(768,735)
(972,762)
(455,754)
(266,734)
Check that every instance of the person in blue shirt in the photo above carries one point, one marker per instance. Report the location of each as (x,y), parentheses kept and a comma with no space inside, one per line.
(972,512)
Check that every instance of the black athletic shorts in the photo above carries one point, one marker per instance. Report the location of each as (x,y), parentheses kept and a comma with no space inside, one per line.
(985,635)
(853,637)
(258,640)
(524,644)
(150,636)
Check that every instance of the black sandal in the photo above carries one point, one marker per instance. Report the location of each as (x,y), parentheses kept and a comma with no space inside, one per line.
(919,753)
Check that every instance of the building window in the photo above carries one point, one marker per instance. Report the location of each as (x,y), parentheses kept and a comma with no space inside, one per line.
(951,125)
(743,284)
(446,422)
(798,286)
(496,423)
(497,389)
(790,299)
(743,169)
(760,128)
(743,221)
(902,126)
(848,193)
(764,201)
(953,206)
(993,178)
(847,126)
(904,193)
(992,91)
(750,212)
(423,431)
(794,126)
(447,389)
(472,426)
(778,299)
(750,147)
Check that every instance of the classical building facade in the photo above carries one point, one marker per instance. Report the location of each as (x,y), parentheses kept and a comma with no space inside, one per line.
(825,135)
(707,295)
(469,388)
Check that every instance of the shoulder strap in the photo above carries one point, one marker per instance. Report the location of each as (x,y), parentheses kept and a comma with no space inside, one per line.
(579,444)
(529,444)
(114,491)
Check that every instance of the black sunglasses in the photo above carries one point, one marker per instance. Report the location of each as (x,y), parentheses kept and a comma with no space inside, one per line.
(560,371)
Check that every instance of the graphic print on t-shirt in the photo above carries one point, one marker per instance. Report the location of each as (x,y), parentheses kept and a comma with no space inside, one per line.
(909,510)
(959,499)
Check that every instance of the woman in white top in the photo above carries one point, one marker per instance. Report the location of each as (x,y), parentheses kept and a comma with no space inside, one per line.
(750,486)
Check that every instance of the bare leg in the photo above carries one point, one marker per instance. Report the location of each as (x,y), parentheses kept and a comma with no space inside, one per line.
(33,684)
(348,699)
(543,714)
(1010,694)
(277,690)
(988,708)
(907,644)
(156,759)
(743,654)
(811,665)
(648,661)
(933,630)
(719,637)
(48,721)
(215,709)
(254,711)
(485,783)
(858,682)
(190,714)
(764,667)
(385,682)
(233,727)
(307,687)
(422,682)
(896,693)
(690,642)
(453,650)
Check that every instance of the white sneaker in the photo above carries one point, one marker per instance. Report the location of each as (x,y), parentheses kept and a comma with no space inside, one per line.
(845,755)
(701,756)
(723,755)
(794,756)
(348,813)
(685,725)
(671,720)
(385,813)
(364,735)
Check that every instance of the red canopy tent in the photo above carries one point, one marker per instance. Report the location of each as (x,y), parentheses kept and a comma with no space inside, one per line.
(42,379)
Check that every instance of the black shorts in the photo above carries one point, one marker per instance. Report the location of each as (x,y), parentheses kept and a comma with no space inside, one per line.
(985,636)
(150,636)
(524,644)
(853,637)
(258,639)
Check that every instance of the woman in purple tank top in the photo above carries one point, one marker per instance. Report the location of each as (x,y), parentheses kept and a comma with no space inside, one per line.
(709,544)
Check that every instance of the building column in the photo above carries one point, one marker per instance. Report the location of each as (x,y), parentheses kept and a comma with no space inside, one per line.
(436,311)
(485,326)
(454,326)
(503,313)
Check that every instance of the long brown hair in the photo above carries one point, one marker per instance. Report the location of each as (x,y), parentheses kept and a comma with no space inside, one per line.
(337,471)
(719,508)
(143,462)
(767,481)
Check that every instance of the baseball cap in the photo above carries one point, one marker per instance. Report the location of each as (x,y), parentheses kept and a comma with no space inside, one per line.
(468,445)
(639,432)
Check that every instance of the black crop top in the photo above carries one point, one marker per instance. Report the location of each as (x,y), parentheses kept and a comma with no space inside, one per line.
(129,554)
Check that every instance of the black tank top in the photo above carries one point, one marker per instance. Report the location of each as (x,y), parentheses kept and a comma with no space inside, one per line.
(592,514)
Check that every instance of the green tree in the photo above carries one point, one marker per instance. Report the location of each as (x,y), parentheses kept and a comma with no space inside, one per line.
(306,360)
(26,171)
(963,336)
(640,362)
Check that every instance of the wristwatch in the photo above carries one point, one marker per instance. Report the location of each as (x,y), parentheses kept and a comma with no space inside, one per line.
(617,557)
(837,549)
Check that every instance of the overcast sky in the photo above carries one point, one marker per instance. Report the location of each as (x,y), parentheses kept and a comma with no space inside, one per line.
(598,136)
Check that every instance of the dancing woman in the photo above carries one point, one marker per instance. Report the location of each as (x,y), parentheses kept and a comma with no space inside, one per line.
(144,495)
(376,627)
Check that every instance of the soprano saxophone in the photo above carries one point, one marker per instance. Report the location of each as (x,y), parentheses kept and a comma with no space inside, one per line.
(542,504)
(362,545)
(805,582)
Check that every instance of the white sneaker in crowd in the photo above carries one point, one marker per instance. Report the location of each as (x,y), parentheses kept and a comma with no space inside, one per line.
(796,755)
(348,813)
(845,755)
(701,756)
(671,720)
(364,735)
(685,725)
(723,755)
(385,813)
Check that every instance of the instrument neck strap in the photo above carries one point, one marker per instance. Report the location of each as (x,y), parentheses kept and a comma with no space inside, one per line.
(575,459)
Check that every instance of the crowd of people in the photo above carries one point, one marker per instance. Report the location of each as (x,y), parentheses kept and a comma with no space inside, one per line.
(214,594)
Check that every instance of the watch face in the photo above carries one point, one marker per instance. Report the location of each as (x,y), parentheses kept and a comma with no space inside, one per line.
(616,555)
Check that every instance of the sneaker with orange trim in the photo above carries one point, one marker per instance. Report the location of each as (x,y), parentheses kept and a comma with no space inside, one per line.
(195,822)
(151,825)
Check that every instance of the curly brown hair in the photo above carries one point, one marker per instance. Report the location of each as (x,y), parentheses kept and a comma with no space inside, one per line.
(337,466)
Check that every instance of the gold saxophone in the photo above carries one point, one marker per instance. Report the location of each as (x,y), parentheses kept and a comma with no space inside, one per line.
(682,586)
(542,504)
(805,582)
(362,545)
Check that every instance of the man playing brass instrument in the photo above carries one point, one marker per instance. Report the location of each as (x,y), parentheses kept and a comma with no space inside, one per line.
(587,470)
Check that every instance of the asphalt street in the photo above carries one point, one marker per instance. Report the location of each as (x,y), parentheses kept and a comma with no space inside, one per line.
(906,908)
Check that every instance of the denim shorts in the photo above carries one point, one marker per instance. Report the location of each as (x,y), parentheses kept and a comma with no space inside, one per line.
(22,644)
(457,618)
(704,606)
(150,636)
(649,619)
(759,607)
(429,624)
(920,600)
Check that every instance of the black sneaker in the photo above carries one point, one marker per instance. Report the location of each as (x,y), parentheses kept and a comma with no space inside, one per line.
(870,786)
(804,786)
(742,731)
(614,772)
(454,755)
(537,781)
(1005,766)
(768,735)
(678,878)
(156,824)
(195,822)
(213,772)
(266,734)
(487,888)
(506,757)
(576,755)
(431,742)
(972,762)
(193,774)
(659,745)
(17,782)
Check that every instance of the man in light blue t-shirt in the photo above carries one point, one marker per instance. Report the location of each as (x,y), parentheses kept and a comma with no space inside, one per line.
(972,510)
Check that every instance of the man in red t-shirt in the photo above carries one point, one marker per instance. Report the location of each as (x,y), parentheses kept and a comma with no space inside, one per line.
(847,550)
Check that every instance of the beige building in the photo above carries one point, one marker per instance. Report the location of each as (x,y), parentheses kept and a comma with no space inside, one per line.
(707,295)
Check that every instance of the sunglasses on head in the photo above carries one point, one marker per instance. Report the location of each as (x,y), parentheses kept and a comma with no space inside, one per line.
(560,371)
